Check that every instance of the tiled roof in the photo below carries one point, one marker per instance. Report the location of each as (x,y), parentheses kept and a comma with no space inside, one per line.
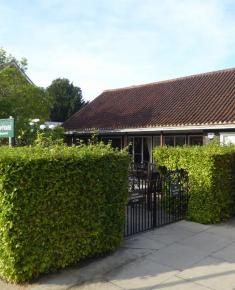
(207,98)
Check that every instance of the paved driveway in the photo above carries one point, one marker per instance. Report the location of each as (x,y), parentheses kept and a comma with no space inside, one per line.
(181,256)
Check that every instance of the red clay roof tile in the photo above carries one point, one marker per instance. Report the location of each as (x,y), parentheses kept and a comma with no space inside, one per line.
(207,98)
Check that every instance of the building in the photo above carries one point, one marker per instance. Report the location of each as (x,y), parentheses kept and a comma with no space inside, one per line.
(190,110)
(13,64)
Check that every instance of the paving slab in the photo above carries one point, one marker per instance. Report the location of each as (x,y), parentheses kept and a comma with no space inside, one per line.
(143,242)
(96,269)
(227,253)
(223,230)
(119,258)
(191,226)
(58,281)
(141,274)
(169,234)
(205,241)
(178,256)
(176,283)
(94,285)
(213,273)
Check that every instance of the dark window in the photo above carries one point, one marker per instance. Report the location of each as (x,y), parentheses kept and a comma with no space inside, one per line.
(137,158)
(68,140)
(196,140)
(177,140)
(180,140)
(146,149)
(137,149)
(140,148)
(82,140)
(115,142)
(169,140)
(156,141)
(137,145)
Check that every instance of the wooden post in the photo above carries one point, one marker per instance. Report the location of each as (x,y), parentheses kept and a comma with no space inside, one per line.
(161,139)
(125,143)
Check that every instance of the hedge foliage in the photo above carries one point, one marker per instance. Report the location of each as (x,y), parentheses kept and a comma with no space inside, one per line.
(211,179)
(59,206)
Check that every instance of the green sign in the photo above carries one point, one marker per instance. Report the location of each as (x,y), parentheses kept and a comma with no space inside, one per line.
(7,128)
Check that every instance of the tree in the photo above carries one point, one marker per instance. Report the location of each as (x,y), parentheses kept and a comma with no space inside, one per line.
(21,99)
(67,99)
(7,58)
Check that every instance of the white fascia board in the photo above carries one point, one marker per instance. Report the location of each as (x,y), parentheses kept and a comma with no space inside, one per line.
(159,129)
(179,128)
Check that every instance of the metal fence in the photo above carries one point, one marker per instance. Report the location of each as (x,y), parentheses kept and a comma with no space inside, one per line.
(156,198)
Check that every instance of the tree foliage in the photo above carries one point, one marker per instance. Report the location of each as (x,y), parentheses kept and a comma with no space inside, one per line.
(21,99)
(6,58)
(67,99)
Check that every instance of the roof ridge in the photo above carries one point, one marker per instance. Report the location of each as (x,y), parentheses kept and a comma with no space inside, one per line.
(171,80)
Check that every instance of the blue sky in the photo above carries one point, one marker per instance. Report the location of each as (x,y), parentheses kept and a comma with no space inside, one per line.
(102,44)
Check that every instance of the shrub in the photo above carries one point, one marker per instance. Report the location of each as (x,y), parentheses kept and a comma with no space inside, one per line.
(59,205)
(49,137)
(211,187)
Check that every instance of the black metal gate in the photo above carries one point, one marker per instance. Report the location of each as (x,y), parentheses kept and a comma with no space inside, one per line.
(157,198)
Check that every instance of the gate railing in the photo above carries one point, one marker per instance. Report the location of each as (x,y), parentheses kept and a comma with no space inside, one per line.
(156,198)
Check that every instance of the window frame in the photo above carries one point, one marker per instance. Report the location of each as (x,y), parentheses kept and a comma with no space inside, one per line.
(113,137)
(142,147)
(223,135)
(189,140)
(174,136)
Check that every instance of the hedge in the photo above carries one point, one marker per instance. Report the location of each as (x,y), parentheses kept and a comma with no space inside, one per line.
(59,206)
(211,179)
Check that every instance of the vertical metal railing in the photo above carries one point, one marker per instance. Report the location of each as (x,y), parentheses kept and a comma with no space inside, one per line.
(156,198)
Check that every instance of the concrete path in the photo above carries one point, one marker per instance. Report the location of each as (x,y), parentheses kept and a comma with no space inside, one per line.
(181,256)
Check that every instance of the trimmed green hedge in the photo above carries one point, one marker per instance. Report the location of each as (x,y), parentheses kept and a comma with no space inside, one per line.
(59,206)
(211,179)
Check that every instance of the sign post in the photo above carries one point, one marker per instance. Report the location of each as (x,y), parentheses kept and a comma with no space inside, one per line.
(7,129)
